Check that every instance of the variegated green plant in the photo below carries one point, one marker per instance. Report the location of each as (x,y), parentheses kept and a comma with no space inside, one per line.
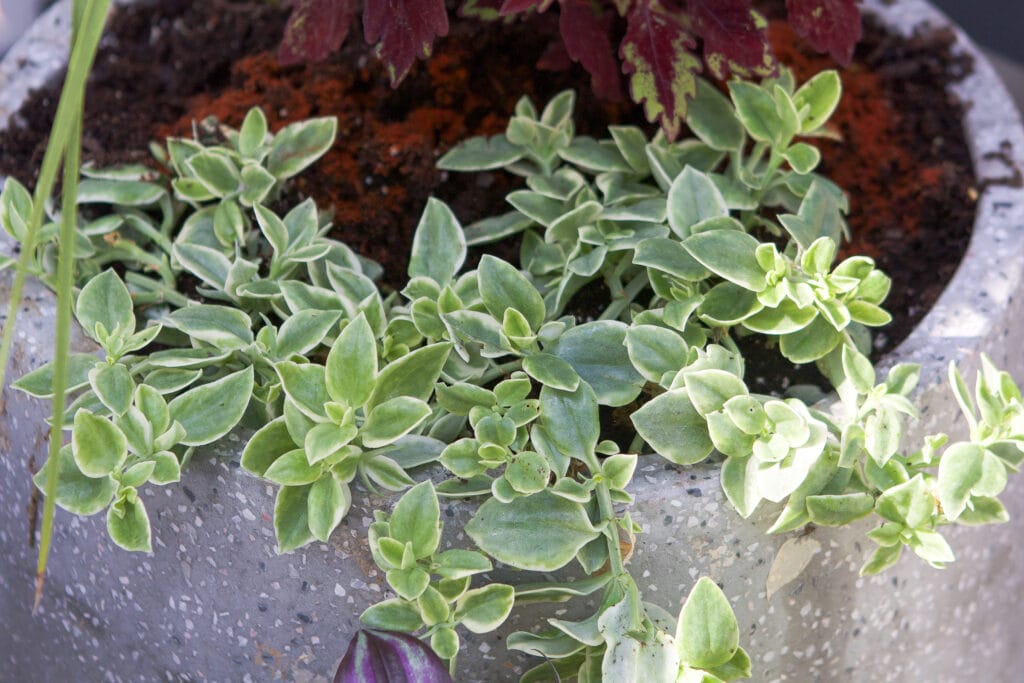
(484,382)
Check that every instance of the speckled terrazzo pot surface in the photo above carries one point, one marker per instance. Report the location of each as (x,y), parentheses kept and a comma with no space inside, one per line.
(214,601)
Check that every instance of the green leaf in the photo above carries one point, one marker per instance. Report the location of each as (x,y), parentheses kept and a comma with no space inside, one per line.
(416,519)
(727,304)
(99,447)
(756,110)
(306,386)
(729,254)
(737,667)
(253,132)
(712,118)
(209,265)
(457,563)
(299,144)
(541,532)
(551,371)
(707,634)
(502,286)
(105,300)
(77,493)
(210,411)
(113,386)
(482,610)
(839,510)
(673,428)
(328,502)
(597,351)
(802,158)
(292,469)
(130,530)
(909,503)
(710,389)
(39,382)
(393,419)
(693,198)
(570,419)
(393,615)
(739,481)
(481,154)
(408,583)
(215,171)
(221,326)
(304,331)
(668,256)
(820,96)
(439,245)
(352,364)
(882,559)
(967,469)
(326,439)
(858,369)
(413,374)
(655,351)
(810,343)
(291,518)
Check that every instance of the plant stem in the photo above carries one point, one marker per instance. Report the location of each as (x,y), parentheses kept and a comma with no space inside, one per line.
(630,292)
(500,371)
(607,510)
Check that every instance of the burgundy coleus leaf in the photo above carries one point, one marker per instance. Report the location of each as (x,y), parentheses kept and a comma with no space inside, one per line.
(734,36)
(831,26)
(315,29)
(516,6)
(657,51)
(587,38)
(390,657)
(403,30)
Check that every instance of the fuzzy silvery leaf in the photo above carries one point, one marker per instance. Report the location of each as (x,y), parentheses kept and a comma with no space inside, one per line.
(416,519)
(220,326)
(967,470)
(757,111)
(785,318)
(113,385)
(306,386)
(304,331)
(377,656)
(655,351)
(413,374)
(39,382)
(502,286)
(391,420)
(597,352)
(727,304)
(707,634)
(76,492)
(673,428)
(479,328)
(527,473)
(166,469)
(291,518)
(481,154)
(273,229)
(15,209)
(669,256)
(326,439)
(712,118)
(482,610)
(739,481)
(802,158)
(329,501)
(811,342)
(570,419)
(267,445)
(215,170)
(98,446)
(208,264)
(299,144)
(153,406)
(710,389)
(119,192)
(858,370)
(292,469)
(439,245)
(253,133)
(693,198)
(817,99)
(839,510)
(909,503)
(551,371)
(210,411)
(882,559)
(105,300)
(594,156)
(352,364)
(541,532)
(729,254)
(129,526)
(631,141)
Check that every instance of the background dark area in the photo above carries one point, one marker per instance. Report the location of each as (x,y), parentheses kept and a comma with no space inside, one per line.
(996,24)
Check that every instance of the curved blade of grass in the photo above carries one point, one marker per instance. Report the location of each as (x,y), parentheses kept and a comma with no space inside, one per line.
(88,17)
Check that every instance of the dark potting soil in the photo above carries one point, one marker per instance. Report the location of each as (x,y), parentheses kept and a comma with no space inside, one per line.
(162,66)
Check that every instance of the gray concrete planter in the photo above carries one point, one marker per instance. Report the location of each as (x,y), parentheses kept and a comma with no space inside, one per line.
(214,602)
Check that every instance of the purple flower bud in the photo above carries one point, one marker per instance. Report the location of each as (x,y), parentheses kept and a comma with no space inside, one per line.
(390,657)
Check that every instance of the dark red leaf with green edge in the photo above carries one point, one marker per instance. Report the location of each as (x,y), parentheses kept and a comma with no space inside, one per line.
(517,6)
(390,657)
(403,30)
(831,26)
(657,51)
(554,58)
(587,40)
(315,29)
(735,41)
